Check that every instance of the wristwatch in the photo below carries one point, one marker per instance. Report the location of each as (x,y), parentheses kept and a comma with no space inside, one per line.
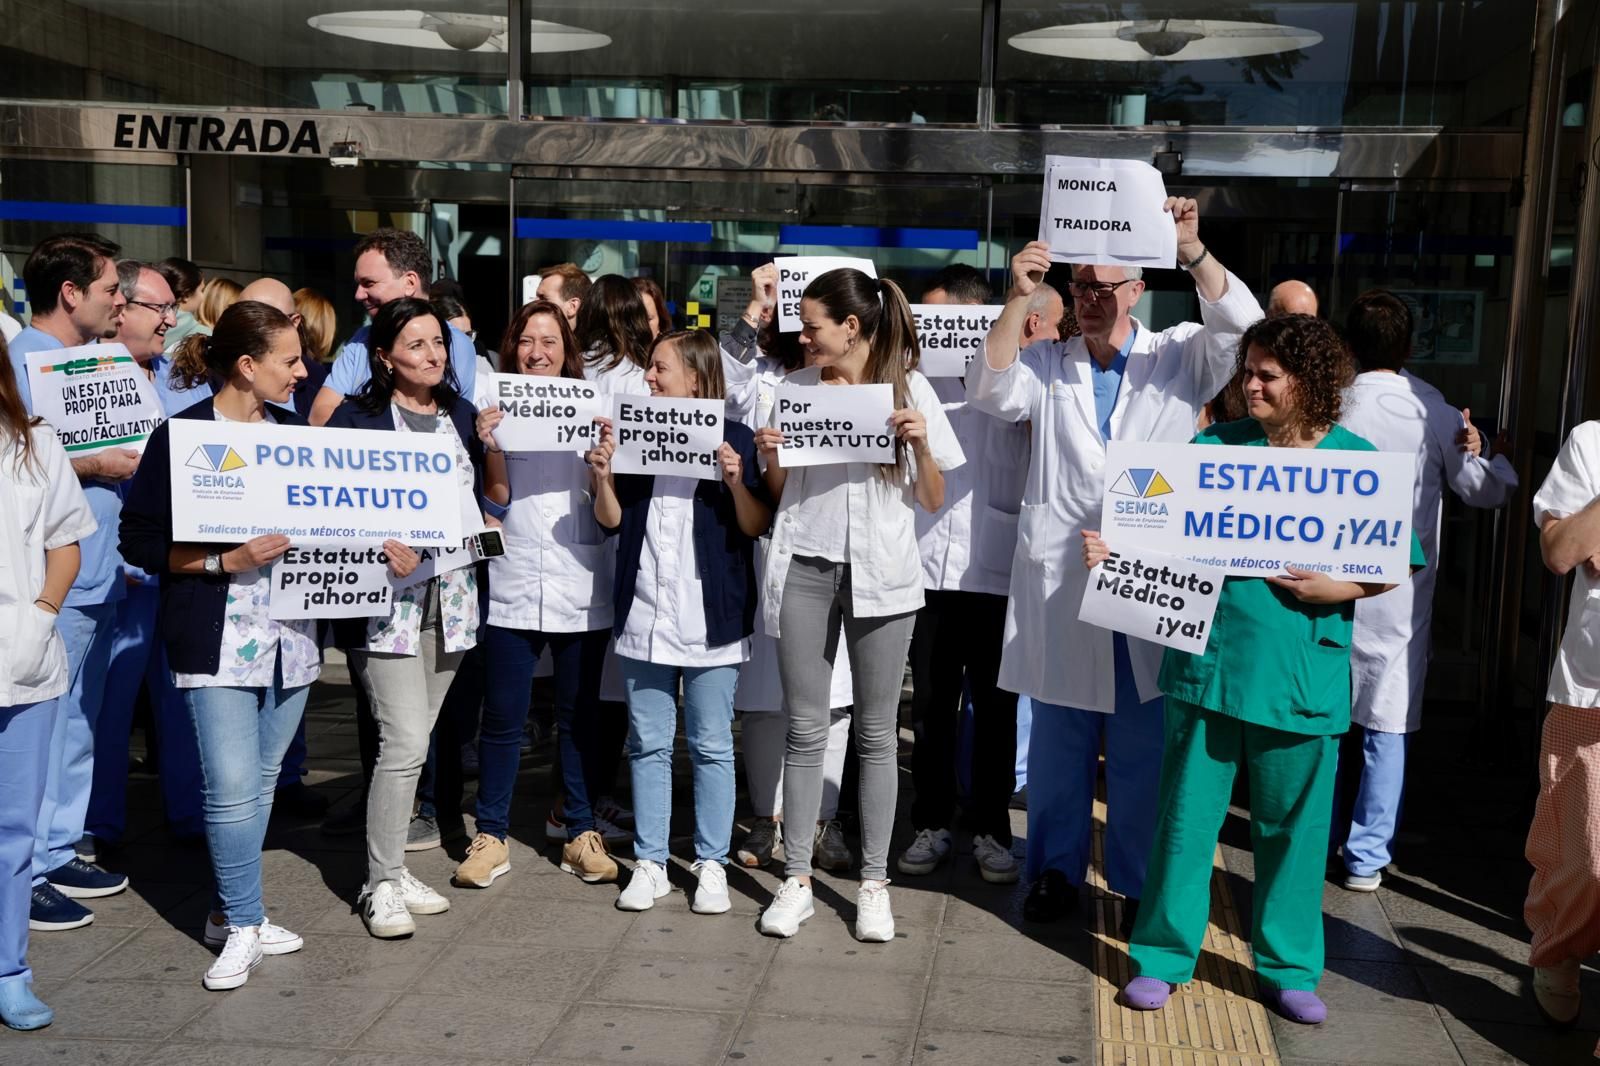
(1196,261)
(214,564)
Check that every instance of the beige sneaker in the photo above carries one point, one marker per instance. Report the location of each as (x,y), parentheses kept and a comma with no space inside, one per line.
(587,858)
(1556,990)
(487,858)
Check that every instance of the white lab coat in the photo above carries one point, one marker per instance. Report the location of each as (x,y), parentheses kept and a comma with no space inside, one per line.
(556,574)
(967,544)
(1390,647)
(1050,655)
(1572,484)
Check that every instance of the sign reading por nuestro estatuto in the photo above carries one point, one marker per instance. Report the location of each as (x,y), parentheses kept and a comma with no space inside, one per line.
(823,424)
(796,272)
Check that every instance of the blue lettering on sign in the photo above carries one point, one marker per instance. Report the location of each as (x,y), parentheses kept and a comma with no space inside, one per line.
(1271,477)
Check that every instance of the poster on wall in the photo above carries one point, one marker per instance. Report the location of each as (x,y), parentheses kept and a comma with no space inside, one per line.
(1446,324)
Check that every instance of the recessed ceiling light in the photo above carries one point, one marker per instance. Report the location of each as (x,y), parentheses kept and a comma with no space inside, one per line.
(452,31)
(1141,40)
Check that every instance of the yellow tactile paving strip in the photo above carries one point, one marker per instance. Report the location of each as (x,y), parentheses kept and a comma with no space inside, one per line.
(1214,1020)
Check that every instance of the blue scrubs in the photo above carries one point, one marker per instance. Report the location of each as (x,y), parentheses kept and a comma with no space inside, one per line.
(1065,742)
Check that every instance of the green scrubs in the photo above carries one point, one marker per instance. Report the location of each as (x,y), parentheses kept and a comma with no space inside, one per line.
(1271,695)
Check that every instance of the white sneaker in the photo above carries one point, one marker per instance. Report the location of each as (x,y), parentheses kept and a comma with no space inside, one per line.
(1362,882)
(275,939)
(931,847)
(791,907)
(418,897)
(385,912)
(711,894)
(240,955)
(995,862)
(874,921)
(648,884)
(1556,990)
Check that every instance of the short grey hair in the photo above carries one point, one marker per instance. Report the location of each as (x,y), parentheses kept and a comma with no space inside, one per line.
(128,271)
(1039,302)
(1132,273)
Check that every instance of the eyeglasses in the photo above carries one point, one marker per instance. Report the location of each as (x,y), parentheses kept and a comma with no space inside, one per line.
(163,310)
(1096,290)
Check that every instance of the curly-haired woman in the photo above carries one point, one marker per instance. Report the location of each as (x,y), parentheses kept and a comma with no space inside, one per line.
(1270,696)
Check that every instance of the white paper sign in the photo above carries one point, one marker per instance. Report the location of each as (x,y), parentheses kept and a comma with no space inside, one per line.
(1254,511)
(665,435)
(545,414)
(1106,211)
(95,395)
(951,335)
(232,481)
(530,287)
(1155,597)
(796,272)
(825,424)
(733,296)
(436,561)
(330,581)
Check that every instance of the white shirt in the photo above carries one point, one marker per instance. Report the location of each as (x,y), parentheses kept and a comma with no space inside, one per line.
(556,574)
(967,544)
(1574,482)
(9,327)
(42,508)
(1390,648)
(1049,654)
(666,622)
(624,379)
(881,544)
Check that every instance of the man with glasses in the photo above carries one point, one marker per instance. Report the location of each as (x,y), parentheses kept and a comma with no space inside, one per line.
(1117,380)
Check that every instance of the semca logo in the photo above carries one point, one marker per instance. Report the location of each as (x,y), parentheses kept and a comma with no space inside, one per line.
(215,459)
(1141,483)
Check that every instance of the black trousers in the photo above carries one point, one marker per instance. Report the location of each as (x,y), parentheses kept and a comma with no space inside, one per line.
(955,649)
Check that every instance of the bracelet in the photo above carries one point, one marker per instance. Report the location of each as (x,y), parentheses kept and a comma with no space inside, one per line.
(1197,260)
(55,608)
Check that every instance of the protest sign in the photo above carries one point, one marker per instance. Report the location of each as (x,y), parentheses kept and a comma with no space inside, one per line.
(329,581)
(1155,597)
(666,435)
(530,287)
(545,414)
(824,424)
(796,272)
(1106,211)
(950,335)
(232,481)
(435,561)
(733,296)
(95,396)
(1255,511)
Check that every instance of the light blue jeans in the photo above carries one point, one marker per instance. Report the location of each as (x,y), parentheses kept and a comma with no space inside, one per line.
(708,728)
(24,754)
(1377,807)
(243,733)
(69,776)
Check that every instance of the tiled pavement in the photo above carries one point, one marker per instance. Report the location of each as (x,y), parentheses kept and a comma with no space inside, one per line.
(542,969)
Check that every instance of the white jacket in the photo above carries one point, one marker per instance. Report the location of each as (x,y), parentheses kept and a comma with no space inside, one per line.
(1389,650)
(1049,654)
(555,576)
(42,508)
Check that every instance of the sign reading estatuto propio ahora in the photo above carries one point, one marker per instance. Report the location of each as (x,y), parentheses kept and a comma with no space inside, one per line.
(823,424)
(796,272)
(1106,211)
(330,581)
(666,435)
(95,396)
(544,414)
(232,481)
(1255,511)
(1155,597)
(951,335)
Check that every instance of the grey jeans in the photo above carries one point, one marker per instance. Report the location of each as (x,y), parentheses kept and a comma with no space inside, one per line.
(816,598)
(406,693)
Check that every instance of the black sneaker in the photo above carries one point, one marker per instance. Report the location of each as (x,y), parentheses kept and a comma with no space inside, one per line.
(348,821)
(1051,898)
(50,911)
(81,880)
(300,800)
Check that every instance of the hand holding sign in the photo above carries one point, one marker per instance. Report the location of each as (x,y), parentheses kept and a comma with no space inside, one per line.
(1028,268)
(255,553)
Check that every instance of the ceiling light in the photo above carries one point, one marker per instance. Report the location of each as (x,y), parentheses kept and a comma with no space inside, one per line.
(1141,40)
(452,31)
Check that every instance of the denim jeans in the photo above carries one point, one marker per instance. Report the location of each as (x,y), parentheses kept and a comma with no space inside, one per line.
(69,776)
(510,656)
(24,754)
(708,728)
(243,733)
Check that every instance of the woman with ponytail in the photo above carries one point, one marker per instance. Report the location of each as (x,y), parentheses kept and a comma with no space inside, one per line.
(844,548)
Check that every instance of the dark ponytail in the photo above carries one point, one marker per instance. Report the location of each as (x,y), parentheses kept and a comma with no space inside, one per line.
(245,328)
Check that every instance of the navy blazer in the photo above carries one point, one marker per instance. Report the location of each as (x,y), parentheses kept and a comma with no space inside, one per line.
(192,605)
(724,556)
(352,632)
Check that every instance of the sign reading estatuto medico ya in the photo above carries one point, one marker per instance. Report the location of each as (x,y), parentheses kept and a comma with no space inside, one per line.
(667,435)
(95,396)
(1254,511)
(796,272)
(951,335)
(825,424)
(232,481)
(545,414)
(1155,597)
